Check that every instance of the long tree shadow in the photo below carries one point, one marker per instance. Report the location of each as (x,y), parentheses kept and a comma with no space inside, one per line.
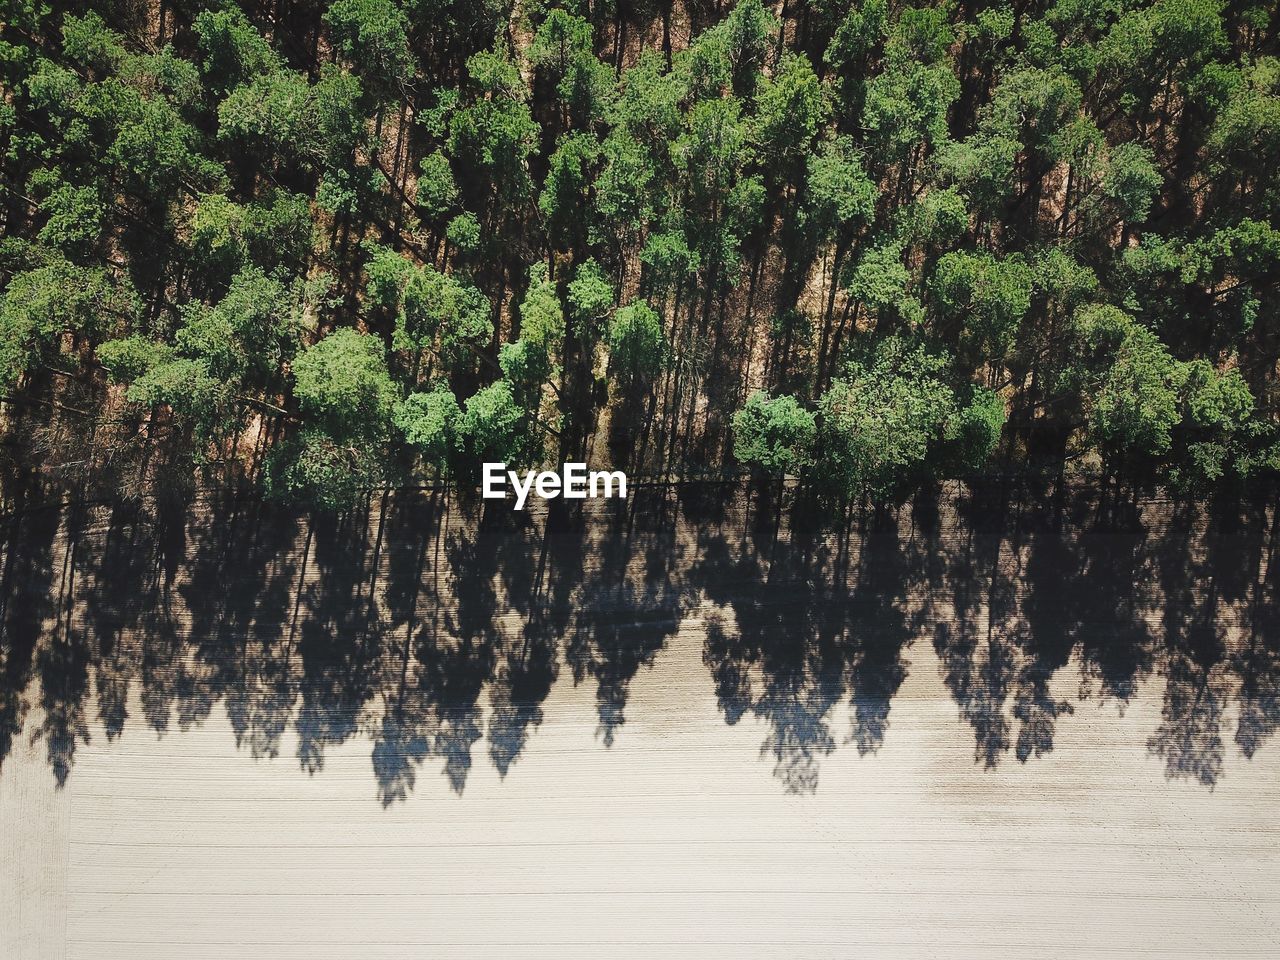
(28,597)
(545,590)
(1257,659)
(801,623)
(1084,570)
(975,648)
(432,627)
(633,602)
(1214,587)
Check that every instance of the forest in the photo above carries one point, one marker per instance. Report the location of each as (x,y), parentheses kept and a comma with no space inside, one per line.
(316,249)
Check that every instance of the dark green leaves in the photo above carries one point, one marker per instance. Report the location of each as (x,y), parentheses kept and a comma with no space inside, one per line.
(774,433)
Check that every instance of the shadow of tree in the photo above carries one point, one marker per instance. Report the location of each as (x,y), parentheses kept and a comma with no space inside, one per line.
(429,625)
(802,622)
(29,595)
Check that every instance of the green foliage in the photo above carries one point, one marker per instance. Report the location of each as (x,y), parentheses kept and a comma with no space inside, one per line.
(648,105)
(841,194)
(226,237)
(748,32)
(852,46)
(184,385)
(880,281)
(40,304)
(1216,423)
(464,232)
(494,427)
(315,470)
(249,334)
(987,296)
(637,343)
(908,104)
(437,189)
(342,382)
(789,109)
(774,433)
(1132,181)
(562,48)
(269,112)
(495,132)
(625,183)
(1137,404)
(724,200)
(129,358)
(728,57)
(590,296)
(129,112)
(280,114)
(371,35)
(669,258)
(533,360)
(882,420)
(940,216)
(541,317)
(973,434)
(429,422)
(432,310)
(232,52)
(1071,203)
(564,198)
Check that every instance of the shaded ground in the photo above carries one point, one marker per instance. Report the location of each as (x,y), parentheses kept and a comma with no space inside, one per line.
(434,630)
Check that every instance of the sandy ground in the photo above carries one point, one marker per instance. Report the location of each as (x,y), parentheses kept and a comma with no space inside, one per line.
(677,840)
(1011,728)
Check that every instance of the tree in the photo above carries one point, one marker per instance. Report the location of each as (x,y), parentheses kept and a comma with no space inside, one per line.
(973,433)
(249,334)
(637,344)
(437,189)
(494,427)
(724,200)
(1217,410)
(232,51)
(912,220)
(840,193)
(314,469)
(535,358)
(371,36)
(987,297)
(429,422)
(40,304)
(281,115)
(1135,406)
(495,133)
(880,281)
(455,312)
(432,310)
(590,297)
(562,47)
(775,434)
(883,418)
(789,110)
(624,186)
(907,105)
(669,259)
(198,400)
(342,382)
(853,44)
(565,199)
(129,358)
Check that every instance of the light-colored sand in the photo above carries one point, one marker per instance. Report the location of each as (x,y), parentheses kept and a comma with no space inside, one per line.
(676,841)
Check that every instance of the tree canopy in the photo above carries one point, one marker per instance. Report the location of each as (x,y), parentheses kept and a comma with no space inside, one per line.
(867,245)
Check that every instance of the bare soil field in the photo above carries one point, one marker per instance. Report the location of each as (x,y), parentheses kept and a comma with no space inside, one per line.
(993,724)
